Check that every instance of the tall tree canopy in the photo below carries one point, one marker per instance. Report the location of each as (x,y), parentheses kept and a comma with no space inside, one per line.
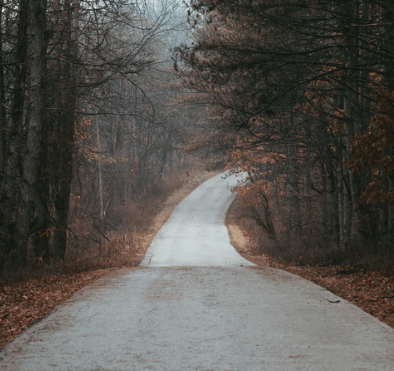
(80,120)
(302,91)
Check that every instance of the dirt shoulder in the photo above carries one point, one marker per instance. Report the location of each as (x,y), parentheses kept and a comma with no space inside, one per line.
(371,291)
(26,302)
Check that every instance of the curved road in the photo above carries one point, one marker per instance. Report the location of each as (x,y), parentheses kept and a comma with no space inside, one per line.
(195,304)
(195,234)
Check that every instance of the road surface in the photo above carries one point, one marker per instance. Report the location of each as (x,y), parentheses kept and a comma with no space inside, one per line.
(187,310)
(195,234)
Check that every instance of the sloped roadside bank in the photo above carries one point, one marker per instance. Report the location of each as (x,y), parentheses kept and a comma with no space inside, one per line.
(369,290)
(26,302)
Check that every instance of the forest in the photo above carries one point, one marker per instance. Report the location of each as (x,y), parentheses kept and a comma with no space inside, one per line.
(105,103)
(113,111)
(301,97)
(90,135)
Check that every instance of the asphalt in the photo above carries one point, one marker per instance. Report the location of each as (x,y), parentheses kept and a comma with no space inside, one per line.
(202,313)
(195,234)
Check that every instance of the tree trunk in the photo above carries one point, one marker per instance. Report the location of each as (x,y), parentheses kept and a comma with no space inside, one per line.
(390,217)
(13,162)
(2,109)
(66,125)
(307,189)
(323,201)
(3,152)
(352,112)
(100,175)
(335,212)
(31,211)
(292,187)
(341,206)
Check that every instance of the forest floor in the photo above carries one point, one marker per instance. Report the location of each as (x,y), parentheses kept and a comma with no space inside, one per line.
(25,302)
(372,291)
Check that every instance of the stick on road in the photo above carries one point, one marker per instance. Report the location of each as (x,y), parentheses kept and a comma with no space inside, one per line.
(195,304)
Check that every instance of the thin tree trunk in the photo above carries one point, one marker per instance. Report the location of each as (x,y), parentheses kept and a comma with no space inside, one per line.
(3,146)
(352,113)
(100,180)
(323,201)
(335,214)
(340,206)
(390,217)
(307,188)
(292,187)
(2,108)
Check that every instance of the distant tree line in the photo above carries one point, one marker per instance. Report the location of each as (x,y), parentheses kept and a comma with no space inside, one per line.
(301,96)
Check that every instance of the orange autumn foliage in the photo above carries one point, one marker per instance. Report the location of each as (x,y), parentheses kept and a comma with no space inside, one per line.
(373,151)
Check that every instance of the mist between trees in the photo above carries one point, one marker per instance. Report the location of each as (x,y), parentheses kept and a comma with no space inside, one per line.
(301,97)
(93,123)
(90,139)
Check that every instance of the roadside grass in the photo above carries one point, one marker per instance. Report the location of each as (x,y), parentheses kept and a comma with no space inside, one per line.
(362,274)
(29,294)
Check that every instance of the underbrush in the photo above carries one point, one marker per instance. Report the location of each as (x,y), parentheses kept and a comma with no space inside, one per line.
(121,238)
(105,244)
(309,249)
(31,293)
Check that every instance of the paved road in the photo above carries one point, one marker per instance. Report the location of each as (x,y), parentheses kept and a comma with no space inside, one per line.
(195,234)
(215,315)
